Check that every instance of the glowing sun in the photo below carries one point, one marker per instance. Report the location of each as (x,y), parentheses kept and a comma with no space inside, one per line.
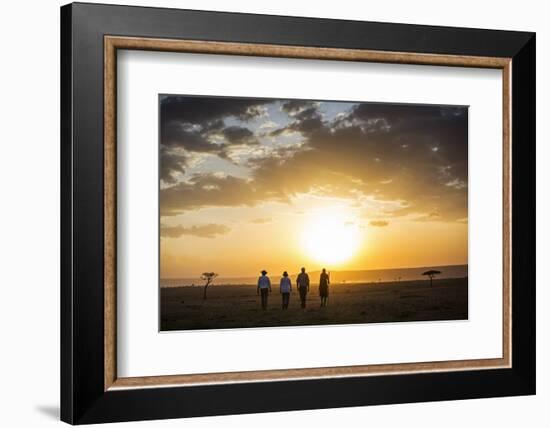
(330,238)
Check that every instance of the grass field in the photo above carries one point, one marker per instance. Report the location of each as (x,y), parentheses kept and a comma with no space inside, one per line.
(238,306)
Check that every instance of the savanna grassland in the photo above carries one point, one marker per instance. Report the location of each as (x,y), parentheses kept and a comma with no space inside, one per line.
(238,306)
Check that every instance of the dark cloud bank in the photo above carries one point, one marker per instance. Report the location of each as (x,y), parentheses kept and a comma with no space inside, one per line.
(413,155)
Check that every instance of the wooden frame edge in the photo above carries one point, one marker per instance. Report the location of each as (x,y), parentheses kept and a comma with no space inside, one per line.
(300,374)
(301,52)
(112,43)
(109,197)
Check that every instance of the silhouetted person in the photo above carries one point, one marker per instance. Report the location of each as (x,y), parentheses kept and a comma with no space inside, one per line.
(324,281)
(286,289)
(302,282)
(264,288)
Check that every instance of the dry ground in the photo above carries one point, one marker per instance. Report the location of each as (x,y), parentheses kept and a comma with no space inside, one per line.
(238,306)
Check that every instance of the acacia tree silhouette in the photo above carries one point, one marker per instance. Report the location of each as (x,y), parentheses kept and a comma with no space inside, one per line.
(208,277)
(431,274)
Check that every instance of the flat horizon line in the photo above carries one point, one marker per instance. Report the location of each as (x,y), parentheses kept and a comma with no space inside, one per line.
(333,270)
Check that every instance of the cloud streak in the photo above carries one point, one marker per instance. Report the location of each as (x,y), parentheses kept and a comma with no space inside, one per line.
(379,223)
(263,220)
(202,231)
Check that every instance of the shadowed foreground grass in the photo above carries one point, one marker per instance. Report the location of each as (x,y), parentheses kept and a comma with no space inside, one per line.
(238,306)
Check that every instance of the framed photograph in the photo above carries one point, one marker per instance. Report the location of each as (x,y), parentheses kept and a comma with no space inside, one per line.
(249,184)
(325,213)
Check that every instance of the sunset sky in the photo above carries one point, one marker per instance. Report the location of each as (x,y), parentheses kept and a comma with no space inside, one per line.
(251,184)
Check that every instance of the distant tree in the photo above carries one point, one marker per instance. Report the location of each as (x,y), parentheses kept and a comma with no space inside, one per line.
(209,278)
(431,274)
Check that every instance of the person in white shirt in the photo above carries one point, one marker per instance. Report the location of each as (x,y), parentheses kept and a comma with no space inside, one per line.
(264,288)
(286,288)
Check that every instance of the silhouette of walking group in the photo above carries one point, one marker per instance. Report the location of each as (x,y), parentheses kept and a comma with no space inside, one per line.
(285,288)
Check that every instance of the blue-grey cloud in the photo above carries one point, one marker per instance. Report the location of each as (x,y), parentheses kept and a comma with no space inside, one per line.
(417,154)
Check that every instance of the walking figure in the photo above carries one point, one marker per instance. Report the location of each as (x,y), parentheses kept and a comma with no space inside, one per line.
(302,282)
(264,288)
(324,281)
(286,289)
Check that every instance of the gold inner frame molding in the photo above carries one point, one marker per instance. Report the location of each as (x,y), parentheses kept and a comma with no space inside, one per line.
(113,43)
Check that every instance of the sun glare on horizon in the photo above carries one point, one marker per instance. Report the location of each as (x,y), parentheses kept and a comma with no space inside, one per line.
(330,238)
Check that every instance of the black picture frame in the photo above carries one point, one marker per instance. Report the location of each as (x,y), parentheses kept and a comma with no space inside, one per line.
(83,396)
